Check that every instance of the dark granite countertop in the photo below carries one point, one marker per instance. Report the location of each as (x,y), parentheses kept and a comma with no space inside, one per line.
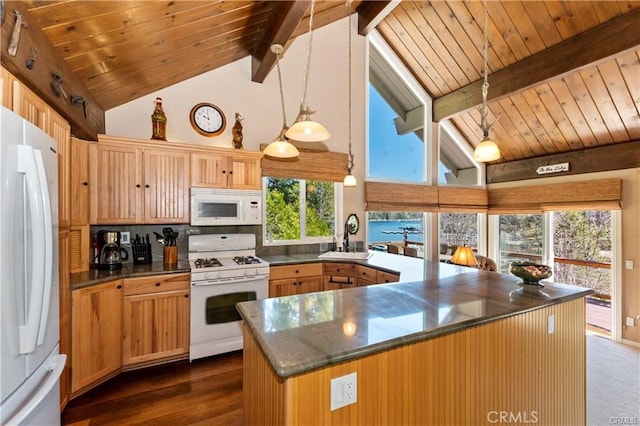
(96,276)
(310,331)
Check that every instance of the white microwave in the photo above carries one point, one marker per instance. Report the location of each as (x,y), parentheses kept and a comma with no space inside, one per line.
(211,207)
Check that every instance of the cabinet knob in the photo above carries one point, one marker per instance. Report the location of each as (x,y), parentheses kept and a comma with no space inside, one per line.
(85,183)
(138,186)
(119,286)
(297,272)
(146,186)
(224,171)
(186,296)
(157,284)
(230,172)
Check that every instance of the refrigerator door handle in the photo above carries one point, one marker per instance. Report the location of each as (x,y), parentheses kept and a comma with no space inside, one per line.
(29,331)
(55,370)
(48,244)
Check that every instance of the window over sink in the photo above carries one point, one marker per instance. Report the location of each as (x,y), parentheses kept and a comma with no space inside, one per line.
(299,211)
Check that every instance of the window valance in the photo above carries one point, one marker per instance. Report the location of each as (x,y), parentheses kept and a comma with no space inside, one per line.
(383,196)
(320,165)
(589,195)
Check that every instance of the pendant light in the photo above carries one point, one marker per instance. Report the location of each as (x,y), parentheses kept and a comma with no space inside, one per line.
(304,129)
(350,179)
(280,147)
(487,150)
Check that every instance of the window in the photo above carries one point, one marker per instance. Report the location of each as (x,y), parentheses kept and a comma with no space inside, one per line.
(403,228)
(457,229)
(397,109)
(299,210)
(521,237)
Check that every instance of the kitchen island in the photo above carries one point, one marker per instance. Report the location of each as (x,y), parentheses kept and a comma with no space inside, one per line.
(461,346)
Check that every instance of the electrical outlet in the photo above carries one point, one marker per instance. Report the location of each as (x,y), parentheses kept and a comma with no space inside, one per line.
(125,238)
(551,324)
(344,391)
(630,322)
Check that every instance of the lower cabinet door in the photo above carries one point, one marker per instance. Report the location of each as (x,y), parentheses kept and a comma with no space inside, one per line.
(96,333)
(155,326)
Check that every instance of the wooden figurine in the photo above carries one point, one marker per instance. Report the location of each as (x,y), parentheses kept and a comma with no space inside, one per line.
(237,131)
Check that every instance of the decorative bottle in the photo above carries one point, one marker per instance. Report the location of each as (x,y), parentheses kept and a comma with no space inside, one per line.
(159,122)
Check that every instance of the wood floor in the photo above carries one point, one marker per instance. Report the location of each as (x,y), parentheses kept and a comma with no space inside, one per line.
(204,392)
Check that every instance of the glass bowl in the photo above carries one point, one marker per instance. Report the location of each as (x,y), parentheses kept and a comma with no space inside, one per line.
(531,273)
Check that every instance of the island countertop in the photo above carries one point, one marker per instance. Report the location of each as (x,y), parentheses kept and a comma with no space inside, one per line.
(309,331)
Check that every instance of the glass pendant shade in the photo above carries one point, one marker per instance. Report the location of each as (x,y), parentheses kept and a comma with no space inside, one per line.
(306,130)
(464,256)
(350,180)
(486,151)
(280,148)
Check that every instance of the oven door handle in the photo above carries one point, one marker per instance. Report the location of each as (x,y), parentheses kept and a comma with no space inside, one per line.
(230,280)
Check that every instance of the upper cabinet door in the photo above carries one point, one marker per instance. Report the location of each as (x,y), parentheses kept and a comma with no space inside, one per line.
(29,106)
(116,176)
(210,170)
(166,186)
(246,172)
(79,182)
(60,130)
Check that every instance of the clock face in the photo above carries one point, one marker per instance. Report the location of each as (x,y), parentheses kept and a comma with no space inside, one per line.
(207,119)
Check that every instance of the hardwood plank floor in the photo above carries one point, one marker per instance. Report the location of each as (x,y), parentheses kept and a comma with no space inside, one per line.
(205,392)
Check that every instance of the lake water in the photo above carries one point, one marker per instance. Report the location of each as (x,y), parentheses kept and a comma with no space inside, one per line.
(375,234)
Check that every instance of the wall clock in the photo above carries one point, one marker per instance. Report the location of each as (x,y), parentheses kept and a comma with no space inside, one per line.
(207,119)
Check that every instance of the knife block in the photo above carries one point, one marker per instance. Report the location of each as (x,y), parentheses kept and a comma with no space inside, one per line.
(141,254)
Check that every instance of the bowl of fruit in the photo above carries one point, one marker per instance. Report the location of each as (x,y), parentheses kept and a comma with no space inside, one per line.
(531,273)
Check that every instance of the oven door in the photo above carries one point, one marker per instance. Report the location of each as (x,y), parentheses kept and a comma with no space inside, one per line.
(216,326)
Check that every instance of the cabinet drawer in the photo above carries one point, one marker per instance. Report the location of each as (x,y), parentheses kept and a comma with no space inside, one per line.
(387,277)
(298,270)
(366,273)
(339,269)
(156,283)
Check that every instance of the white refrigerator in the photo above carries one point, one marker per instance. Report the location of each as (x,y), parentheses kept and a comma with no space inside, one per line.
(30,362)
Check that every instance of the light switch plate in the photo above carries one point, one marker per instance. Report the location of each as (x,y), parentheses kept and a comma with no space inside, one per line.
(630,322)
(628,264)
(125,238)
(551,324)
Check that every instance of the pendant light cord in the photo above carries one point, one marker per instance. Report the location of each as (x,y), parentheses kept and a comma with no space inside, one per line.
(485,86)
(303,100)
(350,159)
(284,115)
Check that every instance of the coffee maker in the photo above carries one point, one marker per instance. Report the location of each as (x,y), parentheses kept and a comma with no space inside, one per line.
(110,254)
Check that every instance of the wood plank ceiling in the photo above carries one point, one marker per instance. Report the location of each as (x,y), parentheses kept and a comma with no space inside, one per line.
(122,50)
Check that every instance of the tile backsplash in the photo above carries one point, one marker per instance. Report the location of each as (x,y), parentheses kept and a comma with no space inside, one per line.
(185,230)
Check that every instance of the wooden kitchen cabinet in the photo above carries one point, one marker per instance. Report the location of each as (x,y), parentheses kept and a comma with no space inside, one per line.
(96,333)
(79,184)
(6,88)
(166,186)
(365,276)
(387,277)
(338,275)
(155,319)
(64,304)
(138,185)
(238,170)
(29,106)
(287,280)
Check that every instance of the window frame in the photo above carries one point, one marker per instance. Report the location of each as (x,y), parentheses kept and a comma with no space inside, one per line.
(337,207)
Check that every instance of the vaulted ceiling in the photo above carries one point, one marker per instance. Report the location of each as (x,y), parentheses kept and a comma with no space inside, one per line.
(563,75)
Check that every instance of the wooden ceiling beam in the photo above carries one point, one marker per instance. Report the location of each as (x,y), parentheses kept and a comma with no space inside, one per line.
(371,13)
(285,18)
(586,49)
(619,156)
(39,78)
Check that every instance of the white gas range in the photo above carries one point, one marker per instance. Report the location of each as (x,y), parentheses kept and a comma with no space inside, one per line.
(224,271)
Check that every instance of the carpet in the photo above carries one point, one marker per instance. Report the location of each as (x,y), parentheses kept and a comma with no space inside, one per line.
(613,383)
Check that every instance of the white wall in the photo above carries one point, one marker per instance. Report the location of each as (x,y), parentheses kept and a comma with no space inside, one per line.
(231,88)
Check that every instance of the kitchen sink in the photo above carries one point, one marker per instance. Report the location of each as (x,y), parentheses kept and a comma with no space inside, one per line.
(350,255)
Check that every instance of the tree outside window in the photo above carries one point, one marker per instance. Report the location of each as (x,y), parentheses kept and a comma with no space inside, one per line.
(298,210)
